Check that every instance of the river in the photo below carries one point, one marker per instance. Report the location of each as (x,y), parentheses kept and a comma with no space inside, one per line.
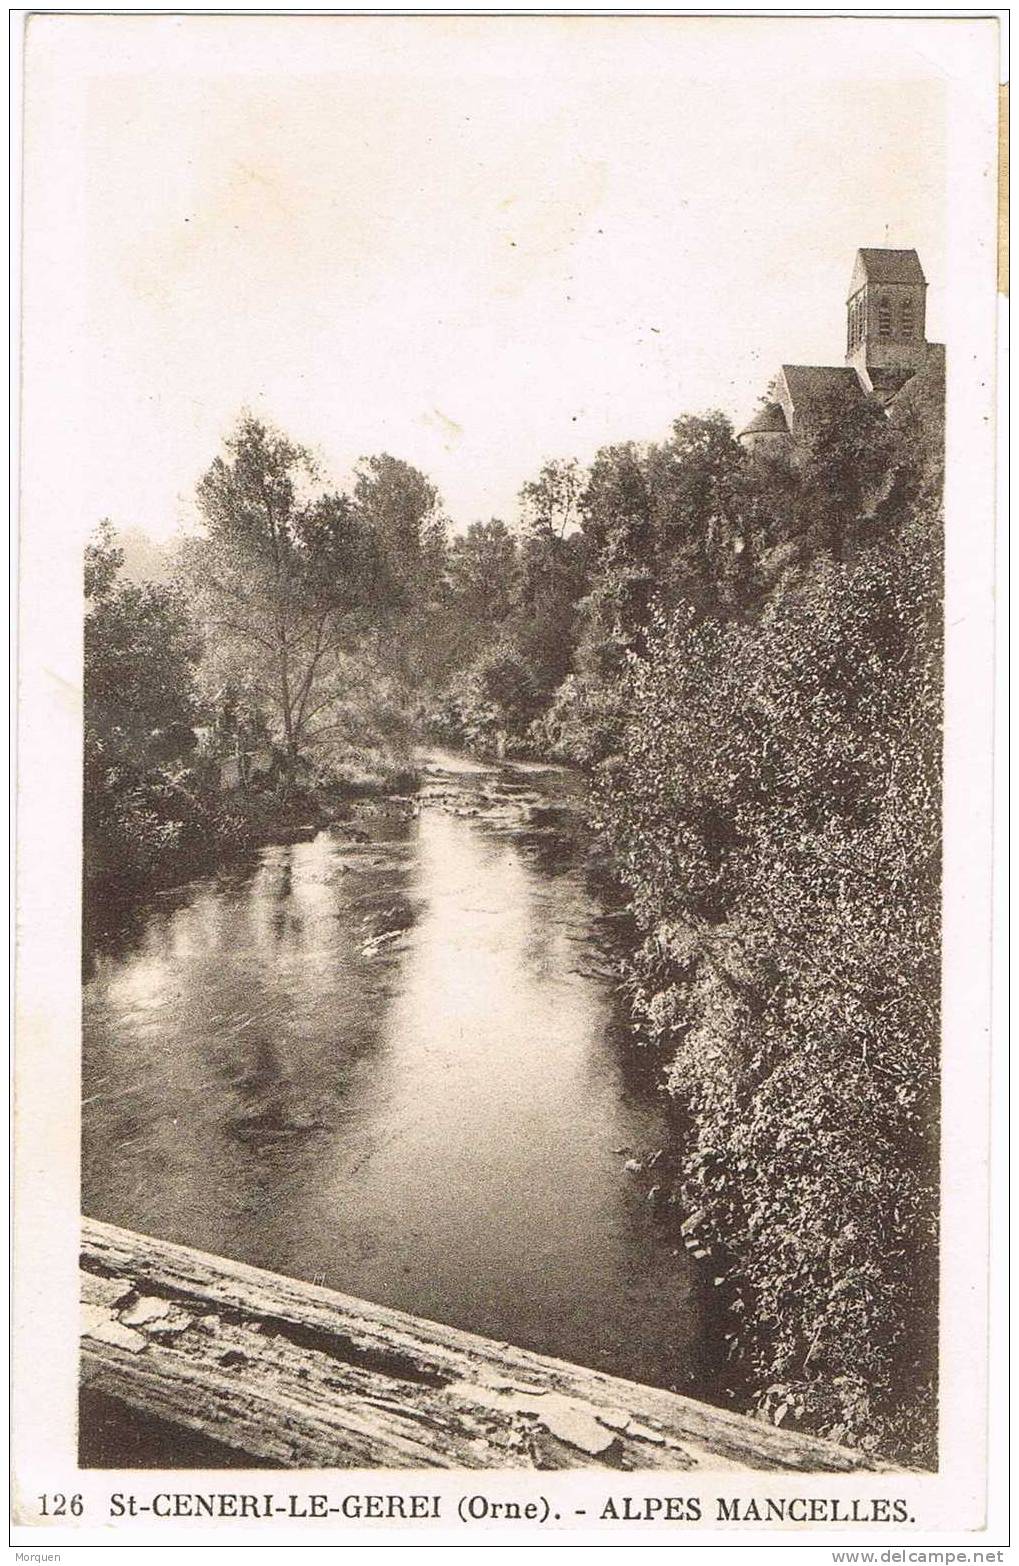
(388,1060)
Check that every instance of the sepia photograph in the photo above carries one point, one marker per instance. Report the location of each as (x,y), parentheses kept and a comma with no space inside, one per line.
(484,478)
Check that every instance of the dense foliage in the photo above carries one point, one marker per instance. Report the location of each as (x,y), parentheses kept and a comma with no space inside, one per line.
(745,655)
(285,585)
(773,802)
(775,811)
(140,658)
(275,672)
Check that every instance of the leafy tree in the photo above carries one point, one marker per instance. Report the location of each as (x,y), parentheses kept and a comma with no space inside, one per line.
(475,601)
(917,424)
(616,501)
(402,511)
(482,566)
(140,653)
(551,575)
(848,457)
(619,531)
(103,559)
(707,514)
(284,582)
(550,503)
(680,523)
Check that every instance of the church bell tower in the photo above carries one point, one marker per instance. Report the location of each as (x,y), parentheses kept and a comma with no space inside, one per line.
(886,316)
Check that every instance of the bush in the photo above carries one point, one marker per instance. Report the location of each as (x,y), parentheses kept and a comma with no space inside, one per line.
(490,707)
(584,723)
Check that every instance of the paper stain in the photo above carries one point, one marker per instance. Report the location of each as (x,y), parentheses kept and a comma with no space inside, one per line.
(68,694)
(451,431)
(535,224)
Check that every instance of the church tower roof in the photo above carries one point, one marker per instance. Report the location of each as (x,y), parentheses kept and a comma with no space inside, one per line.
(886,266)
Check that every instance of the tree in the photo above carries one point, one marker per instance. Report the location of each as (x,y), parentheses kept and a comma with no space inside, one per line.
(402,511)
(140,707)
(916,420)
(676,523)
(140,653)
(550,503)
(481,568)
(476,598)
(623,549)
(103,559)
(847,461)
(703,513)
(284,583)
(491,702)
(551,578)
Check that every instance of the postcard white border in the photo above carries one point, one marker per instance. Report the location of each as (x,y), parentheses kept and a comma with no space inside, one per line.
(964,51)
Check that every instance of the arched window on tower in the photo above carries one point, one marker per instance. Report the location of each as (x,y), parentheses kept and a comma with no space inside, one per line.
(907,318)
(884,318)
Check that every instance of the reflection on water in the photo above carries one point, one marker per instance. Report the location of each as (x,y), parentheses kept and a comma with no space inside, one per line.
(390,1067)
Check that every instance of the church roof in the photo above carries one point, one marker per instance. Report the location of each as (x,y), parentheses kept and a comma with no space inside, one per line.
(806,389)
(769,420)
(808,382)
(886,266)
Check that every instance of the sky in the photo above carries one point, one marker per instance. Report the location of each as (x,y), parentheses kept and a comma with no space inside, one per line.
(474,243)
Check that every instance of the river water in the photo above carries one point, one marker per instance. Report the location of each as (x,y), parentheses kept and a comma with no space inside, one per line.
(388,1060)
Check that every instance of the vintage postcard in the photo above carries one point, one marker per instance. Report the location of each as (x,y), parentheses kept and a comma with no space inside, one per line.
(507,512)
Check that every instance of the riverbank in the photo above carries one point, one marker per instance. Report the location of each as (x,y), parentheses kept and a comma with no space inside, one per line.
(190,826)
